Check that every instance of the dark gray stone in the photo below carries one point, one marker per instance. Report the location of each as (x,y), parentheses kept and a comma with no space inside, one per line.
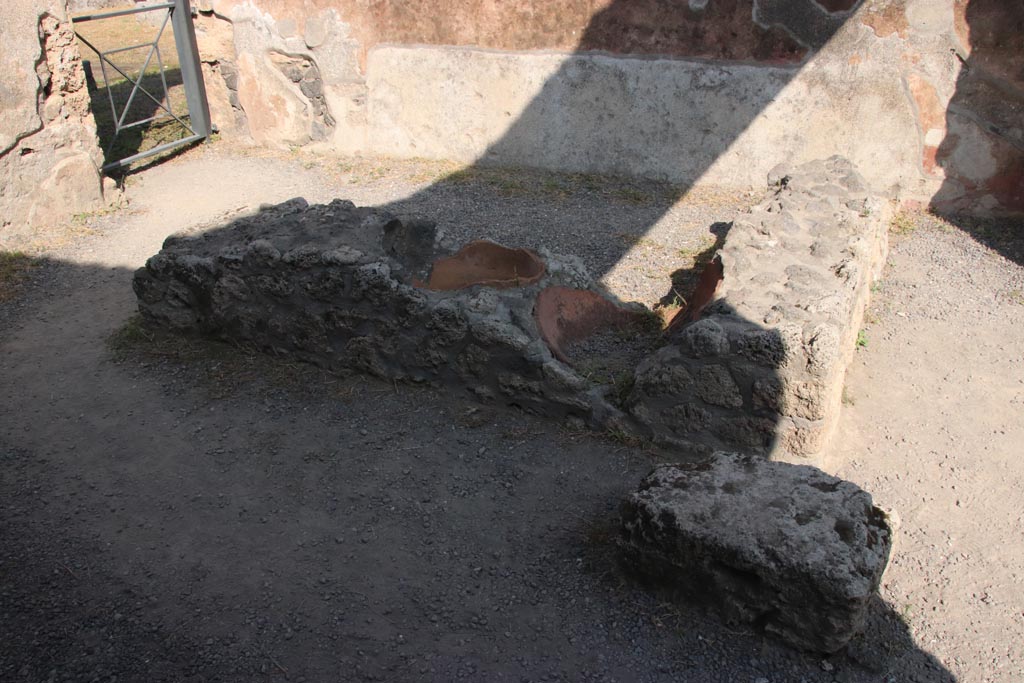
(721,382)
(311,88)
(342,287)
(229,72)
(783,547)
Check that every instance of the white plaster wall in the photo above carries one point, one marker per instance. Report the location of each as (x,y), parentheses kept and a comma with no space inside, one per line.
(678,120)
(683,120)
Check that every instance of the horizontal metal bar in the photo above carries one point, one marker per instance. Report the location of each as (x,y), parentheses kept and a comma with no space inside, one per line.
(120,163)
(120,13)
(125,49)
(151,119)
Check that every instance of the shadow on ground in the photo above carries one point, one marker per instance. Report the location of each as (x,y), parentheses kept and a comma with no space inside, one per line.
(983,120)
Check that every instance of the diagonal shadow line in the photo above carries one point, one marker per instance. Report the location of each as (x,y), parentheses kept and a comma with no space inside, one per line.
(984,112)
(557,127)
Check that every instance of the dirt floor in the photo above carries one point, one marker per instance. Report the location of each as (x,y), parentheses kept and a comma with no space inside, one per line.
(183,511)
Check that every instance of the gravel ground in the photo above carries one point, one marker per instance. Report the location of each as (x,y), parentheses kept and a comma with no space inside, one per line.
(180,511)
(933,426)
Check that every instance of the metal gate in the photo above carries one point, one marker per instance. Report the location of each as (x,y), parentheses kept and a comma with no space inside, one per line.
(178,14)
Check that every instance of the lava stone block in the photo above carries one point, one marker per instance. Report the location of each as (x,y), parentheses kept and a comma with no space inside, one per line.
(786,548)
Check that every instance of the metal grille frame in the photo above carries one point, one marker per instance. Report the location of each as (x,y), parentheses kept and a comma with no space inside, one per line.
(178,13)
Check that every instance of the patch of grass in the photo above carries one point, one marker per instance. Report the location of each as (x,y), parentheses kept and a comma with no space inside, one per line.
(848,399)
(84,217)
(651,325)
(15,267)
(666,310)
(1015,296)
(701,253)
(907,614)
(941,223)
(640,241)
(595,372)
(510,187)
(622,386)
(675,300)
(362,170)
(129,336)
(686,277)
(632,195)
(554,188)
(903,223)
(627,439)
(590,182)
(513,182)
(862,339)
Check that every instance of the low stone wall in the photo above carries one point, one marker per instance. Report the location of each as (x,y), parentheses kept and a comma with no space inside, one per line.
(585,112)
(755,363)
(760,368)
(357,288)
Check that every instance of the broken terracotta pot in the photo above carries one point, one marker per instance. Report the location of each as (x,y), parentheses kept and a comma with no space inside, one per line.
(486,263)
(565,316)
(703,294)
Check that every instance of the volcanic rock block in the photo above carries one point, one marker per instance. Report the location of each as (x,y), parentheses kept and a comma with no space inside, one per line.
(350,288)
(761,353)
(784,547)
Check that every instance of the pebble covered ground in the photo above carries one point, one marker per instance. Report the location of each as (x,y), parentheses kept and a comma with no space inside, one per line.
(183,511)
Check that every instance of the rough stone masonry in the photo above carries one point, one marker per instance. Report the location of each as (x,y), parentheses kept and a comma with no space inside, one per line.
(760,368)
(757,367)
(49,156)
(357,288)
(785,547)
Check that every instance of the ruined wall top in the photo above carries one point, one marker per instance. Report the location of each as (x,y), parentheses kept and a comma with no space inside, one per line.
(48,146)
